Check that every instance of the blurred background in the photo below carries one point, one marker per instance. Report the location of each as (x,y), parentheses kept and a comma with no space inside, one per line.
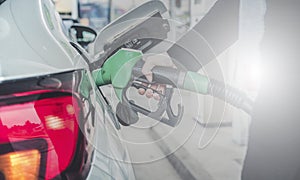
(210,143)
(97,13)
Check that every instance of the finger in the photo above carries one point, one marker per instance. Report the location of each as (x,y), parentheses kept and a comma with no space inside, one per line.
(156,96)
(147,70)
(141,91)
(161,89)
(149,77)
(155,60)
(149,93)
(154,86)
(145,84)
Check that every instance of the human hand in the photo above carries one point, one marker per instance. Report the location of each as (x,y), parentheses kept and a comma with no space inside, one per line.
(150,62)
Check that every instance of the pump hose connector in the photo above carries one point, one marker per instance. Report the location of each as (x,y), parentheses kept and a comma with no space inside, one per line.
(230,95)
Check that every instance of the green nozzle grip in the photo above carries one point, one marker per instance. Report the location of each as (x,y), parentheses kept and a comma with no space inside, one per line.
(196,83)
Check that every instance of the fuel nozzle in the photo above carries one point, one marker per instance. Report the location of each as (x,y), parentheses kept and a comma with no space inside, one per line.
(124,70)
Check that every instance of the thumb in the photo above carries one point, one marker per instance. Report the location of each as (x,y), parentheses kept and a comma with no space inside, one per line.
(149,77)
(147,71)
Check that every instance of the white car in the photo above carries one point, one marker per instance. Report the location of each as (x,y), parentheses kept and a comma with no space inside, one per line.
(54,122)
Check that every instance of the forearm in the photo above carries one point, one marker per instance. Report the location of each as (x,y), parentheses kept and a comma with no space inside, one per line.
(217,31)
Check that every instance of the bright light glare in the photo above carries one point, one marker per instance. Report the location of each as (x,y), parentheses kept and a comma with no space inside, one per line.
(255,74)
(250,62)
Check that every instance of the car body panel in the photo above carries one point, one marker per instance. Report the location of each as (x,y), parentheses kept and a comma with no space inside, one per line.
(31,38)
(34,47)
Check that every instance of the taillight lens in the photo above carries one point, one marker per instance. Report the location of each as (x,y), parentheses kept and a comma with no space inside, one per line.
(53,116)
(15,165)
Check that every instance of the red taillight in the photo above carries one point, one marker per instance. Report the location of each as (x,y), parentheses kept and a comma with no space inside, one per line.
(51,118)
